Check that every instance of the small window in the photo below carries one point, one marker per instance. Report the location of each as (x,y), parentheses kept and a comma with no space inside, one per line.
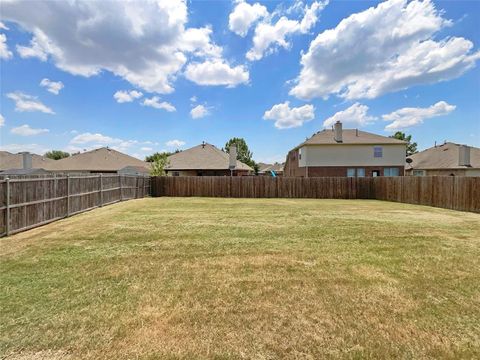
(390,172)
(175,173)
(351,172)
(418,172)
(377,152)
(360,172)
(300,154)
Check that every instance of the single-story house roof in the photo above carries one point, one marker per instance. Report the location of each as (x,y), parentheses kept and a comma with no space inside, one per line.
(102,159)
(36,171)
(15,161)
(444,156)
(263,166)
(202,157)
(134,170)
(277,167)
(349,137)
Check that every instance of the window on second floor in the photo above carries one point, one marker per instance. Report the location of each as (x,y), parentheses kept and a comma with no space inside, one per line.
(377,152)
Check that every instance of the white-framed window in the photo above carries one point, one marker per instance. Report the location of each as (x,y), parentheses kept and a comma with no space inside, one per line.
(391,172)
(351,172)
(418,172)
(360,172)
(300,154)
(377,151)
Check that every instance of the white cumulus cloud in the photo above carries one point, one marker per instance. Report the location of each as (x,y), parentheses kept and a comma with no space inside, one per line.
(155,103)
(382,49)
(4,52)
(244,16)
(355,115)
(199,111)
(123,96)
(271,35)
(2,120)
(175,143)
(408,117)
(286,117)
(216,72)
(52,86)
(147,43)
(28,103)
(26,130)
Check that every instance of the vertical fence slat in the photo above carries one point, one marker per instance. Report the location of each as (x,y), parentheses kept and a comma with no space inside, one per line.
(457,193)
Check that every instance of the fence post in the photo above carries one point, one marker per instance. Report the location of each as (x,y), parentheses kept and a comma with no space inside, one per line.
(121,187)
(101,190)
(7,203)
(68,195)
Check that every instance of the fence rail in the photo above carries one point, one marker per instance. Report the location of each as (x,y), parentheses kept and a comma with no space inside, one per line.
(457,193)
(26,203)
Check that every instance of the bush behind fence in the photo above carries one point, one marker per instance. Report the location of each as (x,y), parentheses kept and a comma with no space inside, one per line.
(457,193)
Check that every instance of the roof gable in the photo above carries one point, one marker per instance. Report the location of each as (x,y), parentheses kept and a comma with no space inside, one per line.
(102,159)
(202,157)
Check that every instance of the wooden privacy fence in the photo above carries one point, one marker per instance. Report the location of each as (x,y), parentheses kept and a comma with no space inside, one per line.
(458,193)
(26,203)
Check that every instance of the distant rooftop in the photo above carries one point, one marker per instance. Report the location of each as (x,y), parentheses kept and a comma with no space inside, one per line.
(202,157)
(443,156)
(349,136)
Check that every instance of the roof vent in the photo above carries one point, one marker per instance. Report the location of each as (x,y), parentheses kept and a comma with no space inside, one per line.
(337,132)
(203,144)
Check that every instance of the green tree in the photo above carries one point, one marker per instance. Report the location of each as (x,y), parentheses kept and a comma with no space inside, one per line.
(243,153)
(159,164)
(158,155)
(411,146)
(56,154)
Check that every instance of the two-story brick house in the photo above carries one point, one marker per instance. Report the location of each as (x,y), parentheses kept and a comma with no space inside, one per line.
(346,152)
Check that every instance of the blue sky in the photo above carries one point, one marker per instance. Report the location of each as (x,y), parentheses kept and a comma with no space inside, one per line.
(271,72)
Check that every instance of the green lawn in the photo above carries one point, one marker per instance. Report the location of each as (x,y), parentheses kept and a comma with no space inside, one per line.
(244,278)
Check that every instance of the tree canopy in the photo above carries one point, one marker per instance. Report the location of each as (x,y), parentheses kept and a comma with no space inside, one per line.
(159,155)
(159,164)
(411,146)
(56,154)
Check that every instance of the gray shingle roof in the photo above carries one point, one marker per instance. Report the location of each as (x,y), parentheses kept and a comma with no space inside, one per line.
(349,136)
(102,159)
(201,157)
(443,157)
(15,161)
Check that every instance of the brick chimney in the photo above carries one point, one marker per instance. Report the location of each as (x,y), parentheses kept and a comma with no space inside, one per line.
(464,155)
(337,132)
(27,160)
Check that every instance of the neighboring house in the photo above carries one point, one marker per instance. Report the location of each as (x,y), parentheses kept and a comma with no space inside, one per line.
(102,160)
(23,172)
(346,152)
(448,159)
(270,169)
(134,170)
(9,161)
(206,160)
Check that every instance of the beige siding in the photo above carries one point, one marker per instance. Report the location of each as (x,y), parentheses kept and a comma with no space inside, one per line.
(351,155)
